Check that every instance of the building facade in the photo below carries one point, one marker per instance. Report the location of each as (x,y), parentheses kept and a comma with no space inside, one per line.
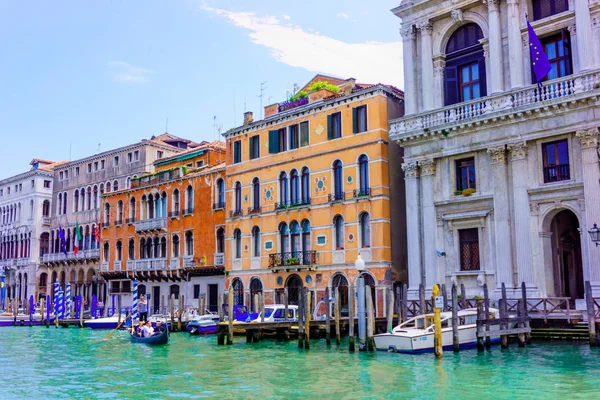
(308,190)
(167,231)
(501,174)
(78,189)
(25,208)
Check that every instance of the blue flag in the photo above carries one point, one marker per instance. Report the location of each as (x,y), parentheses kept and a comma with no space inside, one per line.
(539,60)
(63,241)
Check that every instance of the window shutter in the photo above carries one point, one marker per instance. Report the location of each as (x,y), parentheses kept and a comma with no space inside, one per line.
(329,127)
(251,149)
(451,86)
(273,142)
(237,152)
(304,134)
(355,120)
(482,77)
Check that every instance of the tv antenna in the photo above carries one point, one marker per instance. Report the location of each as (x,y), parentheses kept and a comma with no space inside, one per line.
(263,87)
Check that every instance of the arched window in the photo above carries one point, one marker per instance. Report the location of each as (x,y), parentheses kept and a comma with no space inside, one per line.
(256,241)
(84,205)
(305,185)
(295,238)
(284,238)
(106,252)
(163,204)
(46,208)
(189,197)
(119,212)
(283,189)
(149,248)
(76,200)
(119,249)
(174,291)
(363,173)
(176,202)
(131,250)
(338,180)
(306,257)
(294,187)
(58,206)
(238,292)
(175,246)
(189,243)
(96,204)
(156,246)
(220,240)
(163,247)
(256,287)
(157,208)
(107,187)
(294,285)
(365,230)
(237,238)
(464,77)
(64,204)
(142,248)
(256,195)
(115,186)
(132,209)
(106,214)
(143,208)
(220,194)
(338,227)
(238,197)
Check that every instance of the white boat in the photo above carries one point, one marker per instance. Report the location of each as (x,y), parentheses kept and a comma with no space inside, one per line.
(8,319)
(416,334)
(104,323)
(203,324)
(276,313)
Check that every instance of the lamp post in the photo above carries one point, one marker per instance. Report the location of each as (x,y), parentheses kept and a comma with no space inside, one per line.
(359,264)
(595,234)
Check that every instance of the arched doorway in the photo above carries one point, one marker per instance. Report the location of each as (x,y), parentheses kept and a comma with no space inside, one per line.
(566,251)
(256,287)
(238,292)
(294,285)
(339,281)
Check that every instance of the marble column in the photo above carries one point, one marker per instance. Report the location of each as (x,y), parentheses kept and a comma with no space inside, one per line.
(495,37)
(515,45)
(439,67)
(413,225)
(429,223)
(408,52)
(591,191)
(426,29)
(502,238)
(585,42)
(522,214)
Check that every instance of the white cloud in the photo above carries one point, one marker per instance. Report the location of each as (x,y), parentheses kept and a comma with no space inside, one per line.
(342,15)
(369,62)
(127,73)
(287,17)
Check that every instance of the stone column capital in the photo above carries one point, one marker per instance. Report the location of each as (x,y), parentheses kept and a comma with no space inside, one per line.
(588,138)
(439,66)
(425,27)
(512,2)
(407,32)
(518,151)
(493,5)
(427,167)
(498,154)
(410,169)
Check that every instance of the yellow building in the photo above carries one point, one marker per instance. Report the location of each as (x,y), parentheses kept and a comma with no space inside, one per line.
(308,190)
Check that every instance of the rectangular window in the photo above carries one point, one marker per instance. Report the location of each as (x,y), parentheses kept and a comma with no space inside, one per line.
(237,152)
(465,174)
(273,142)
(469,249)
(199,164)
(116,161)
(89,168)
(95,166)
(546,8)
(32,183)
(359,119)
(129,157)
(557,48)
(159,154)
(102,164)
(196,292)
(136,155)
(254,147)
(67,174)
(334,126)
(7,190)
(47,184)
(282,140)
(294,137)
(61,176)
(304,134)
(556,161)
(1,192)
(469,82)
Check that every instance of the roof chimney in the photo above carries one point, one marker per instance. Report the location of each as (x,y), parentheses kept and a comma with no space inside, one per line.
(248,118)
(349,85)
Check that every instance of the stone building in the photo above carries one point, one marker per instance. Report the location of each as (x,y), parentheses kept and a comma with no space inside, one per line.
(502,175)
(25,204)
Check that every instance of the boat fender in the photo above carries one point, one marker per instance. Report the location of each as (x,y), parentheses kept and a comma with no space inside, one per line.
(193,330)
(392,349)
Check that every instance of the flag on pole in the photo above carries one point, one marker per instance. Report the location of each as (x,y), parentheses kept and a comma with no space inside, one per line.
(77,238)
(63,241)
(97,232)
(539,60)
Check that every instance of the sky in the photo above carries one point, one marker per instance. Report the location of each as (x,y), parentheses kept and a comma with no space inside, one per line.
(79,77)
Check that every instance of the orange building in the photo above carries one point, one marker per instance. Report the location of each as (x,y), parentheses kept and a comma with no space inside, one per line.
(308,190)
(167,230)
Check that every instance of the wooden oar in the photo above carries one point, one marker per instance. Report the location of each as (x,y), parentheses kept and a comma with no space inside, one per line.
(118,326)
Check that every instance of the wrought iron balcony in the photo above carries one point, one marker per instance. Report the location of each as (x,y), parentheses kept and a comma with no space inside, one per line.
(333,197)
(363,192)
(292,203)
(557,173)
(219,206)
(236,213)
(293,260)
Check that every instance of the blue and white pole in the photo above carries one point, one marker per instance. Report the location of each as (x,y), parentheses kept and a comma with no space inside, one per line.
(61,310)
(56,289)
(135,315)
(3,291)
(68,300)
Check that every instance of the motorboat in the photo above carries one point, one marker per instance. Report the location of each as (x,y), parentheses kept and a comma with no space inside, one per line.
(416,335)
(8,319)
(276,313)
(203,324)
(105,323)
(160,338)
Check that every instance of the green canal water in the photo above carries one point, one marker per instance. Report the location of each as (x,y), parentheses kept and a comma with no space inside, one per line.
(40,363)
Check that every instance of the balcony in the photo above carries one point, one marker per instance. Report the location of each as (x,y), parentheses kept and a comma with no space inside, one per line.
(254,210)
(174,263)
(292,204)
(151,264)
(21,262)
(89,254)
(557,173)
(105,225)
(151,180)
(293,260)
(104,266)
(236,213)
(219,206)
(519,103)
(219,259)
(174,214)
(46,221)
(189,262)
(154,224)
(188,211)
(363,192)
(118,266)
(130,266)
(332,198)
(130,221)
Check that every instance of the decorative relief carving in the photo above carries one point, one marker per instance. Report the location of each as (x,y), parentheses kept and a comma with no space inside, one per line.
(534,208)
(498,154)
(588,137)
(518,151)
(427,167)
(572,29)
(425,27)
(439,66)
(407,32)
(457,16)
(410,169)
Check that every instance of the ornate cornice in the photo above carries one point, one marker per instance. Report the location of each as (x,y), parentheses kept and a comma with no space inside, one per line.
(427,167)
(518,151)
(588,138)
(411,169)
(498,154)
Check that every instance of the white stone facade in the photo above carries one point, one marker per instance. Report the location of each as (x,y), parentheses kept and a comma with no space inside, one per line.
(509,134)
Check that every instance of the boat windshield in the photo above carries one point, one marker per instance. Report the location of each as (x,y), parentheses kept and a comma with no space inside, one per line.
(268,312)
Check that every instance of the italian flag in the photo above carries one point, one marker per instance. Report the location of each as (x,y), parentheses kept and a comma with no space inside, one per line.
(77,238)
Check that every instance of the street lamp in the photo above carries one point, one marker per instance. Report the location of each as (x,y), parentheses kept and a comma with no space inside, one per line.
(359,264)
(595,234)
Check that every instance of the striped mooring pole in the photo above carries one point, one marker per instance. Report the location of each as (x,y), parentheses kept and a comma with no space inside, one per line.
(68,300)
(56,287)
(135,315)
(61,302)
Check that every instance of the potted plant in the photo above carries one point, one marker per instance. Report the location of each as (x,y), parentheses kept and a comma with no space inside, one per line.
(468,192)
(292,261)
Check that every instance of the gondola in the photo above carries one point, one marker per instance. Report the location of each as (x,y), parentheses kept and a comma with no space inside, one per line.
(163,338)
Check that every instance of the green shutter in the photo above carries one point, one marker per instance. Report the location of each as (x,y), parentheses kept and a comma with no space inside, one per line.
(329,127)
(237,152)
(250,148)
(273,142)
(304,134)
(355,120)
